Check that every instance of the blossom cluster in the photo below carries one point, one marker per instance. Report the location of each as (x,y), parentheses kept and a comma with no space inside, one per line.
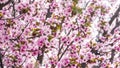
(59,34)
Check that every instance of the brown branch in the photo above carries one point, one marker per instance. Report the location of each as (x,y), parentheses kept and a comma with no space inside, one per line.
(1,62)
(95,51)
(117,25)
(13,8)
(17,38)
(86,4)
(23,30)
(33,37)
(60,48)
(12,17)
(112,55)
(40,56)
(114,16)
(31,1)
(4,4)
(48,13)
(65,51)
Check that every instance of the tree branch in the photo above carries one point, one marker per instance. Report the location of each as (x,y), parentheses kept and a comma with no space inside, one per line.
(114,16)
(1,63)
(40,56)
(48,13)
(112,55)
(65,51)
(13,8)
(117,25)
(4,4)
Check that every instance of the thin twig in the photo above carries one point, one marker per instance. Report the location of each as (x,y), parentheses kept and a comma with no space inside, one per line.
(65,51)
(13,8)
(117,25)
(12,17)
(23,30)
(114,16)
(4,4)
(62,45)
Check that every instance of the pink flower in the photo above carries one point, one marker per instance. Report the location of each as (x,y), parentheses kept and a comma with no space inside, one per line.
(65,61)
(117,48)
(3,1)
(29,65)
(40,42)
(35,52)
(103,65)
(90,9)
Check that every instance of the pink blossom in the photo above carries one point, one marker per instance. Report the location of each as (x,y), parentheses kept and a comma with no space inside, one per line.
(3,1)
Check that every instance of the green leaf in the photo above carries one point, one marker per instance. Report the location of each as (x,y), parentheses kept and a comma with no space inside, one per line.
(97,7)
(46,51)
(78,34)
(9,23)
(79,65)
(53,28)
(17,45)
(103,23)
(73,61)
(37,23)
(77,10)
(87,24)
(76,1)
(59,27)
(1,14)
(25,10)
(35,31)
(50,37)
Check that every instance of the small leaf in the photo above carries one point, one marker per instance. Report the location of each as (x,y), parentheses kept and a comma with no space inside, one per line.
(103,23)
(79,65)
(35,31)
(17,45)
(78,34)
(88,33)
(1,14)
(9,23)
(97,7)
(73,61)
(37,23)
(36,64)
(22,42)
(76,1)
(59,27)
(76,10)
(87,24)
(46,51)
(25,10)
(92,60)
(50,37)
(81,57)
(79,10)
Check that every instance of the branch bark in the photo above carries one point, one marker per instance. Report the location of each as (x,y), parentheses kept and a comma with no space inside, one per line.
(1,63)
(112,55)
(114,16)
(117,25)
(40,56)
(4,4)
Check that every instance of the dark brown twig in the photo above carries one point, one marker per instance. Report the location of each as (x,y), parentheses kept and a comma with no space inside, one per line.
(4,4)
(114,16)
